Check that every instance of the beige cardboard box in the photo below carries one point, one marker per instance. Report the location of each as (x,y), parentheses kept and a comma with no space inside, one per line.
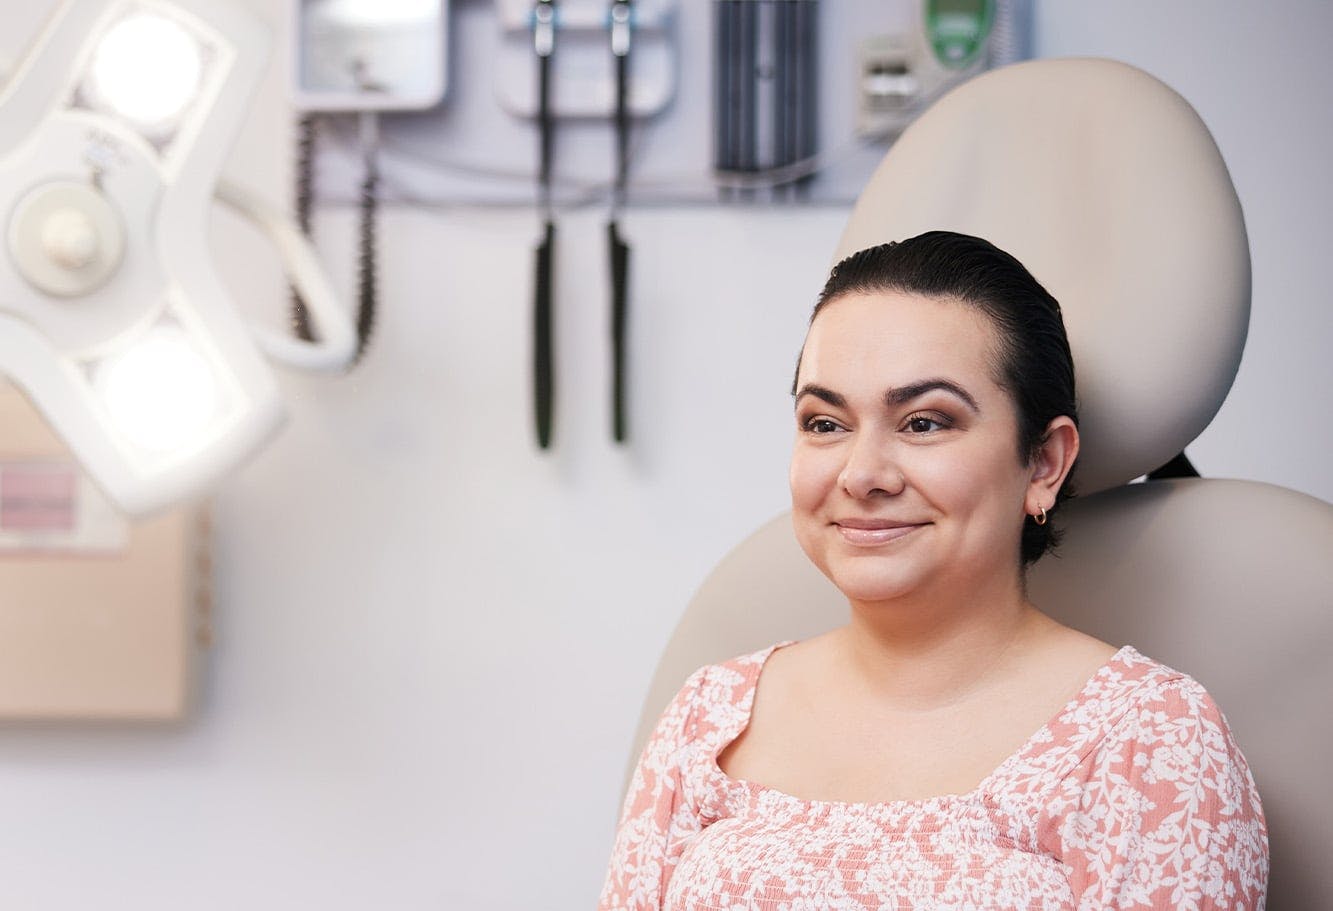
(100,617)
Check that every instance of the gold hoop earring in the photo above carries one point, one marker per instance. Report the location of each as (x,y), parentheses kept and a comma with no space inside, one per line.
(1041,519)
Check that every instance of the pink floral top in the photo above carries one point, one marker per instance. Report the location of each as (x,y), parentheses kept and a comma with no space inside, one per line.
(1134,796)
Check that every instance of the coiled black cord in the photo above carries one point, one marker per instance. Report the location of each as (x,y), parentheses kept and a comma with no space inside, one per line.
(368,205)
(366,260)
(305,198)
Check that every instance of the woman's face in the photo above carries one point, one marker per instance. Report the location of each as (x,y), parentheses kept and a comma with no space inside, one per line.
(905,475)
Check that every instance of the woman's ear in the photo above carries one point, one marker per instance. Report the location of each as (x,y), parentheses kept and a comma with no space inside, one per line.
(1052,463)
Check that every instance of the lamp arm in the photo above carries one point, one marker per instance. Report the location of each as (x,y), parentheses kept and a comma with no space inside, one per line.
(336,349)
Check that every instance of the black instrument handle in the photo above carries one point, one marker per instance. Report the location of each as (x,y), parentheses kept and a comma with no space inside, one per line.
(543,359)
(621,42)
(619,321)
(543,344)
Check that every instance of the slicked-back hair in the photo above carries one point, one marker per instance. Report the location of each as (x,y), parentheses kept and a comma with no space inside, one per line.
(1034,364)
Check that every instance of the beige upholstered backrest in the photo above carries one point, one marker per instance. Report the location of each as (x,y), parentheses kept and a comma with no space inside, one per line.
(1108,186)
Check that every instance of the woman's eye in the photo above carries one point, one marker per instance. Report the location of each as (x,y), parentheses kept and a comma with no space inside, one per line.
(921,423)
(821,425)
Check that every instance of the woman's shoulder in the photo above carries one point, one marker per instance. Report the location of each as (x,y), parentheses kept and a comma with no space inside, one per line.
(723,686)
(1133,683)
(1112,681)
(1135,722)
(1134,702)
(1161,797)
(715,700)
(733,678)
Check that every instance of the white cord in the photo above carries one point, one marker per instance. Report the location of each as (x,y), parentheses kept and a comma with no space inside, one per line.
(337,347)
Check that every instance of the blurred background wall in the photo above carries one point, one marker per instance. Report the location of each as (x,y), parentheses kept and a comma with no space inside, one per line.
(432,641)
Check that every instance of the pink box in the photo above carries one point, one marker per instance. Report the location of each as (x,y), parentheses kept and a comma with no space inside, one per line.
(38,497)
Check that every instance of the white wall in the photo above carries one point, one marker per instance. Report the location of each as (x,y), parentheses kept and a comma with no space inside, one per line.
(432,641)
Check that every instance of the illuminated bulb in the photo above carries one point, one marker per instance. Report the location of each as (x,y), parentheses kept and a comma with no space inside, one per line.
(161,393)
(146,69)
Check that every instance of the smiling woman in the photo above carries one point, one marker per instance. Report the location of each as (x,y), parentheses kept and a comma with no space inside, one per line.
(951,746)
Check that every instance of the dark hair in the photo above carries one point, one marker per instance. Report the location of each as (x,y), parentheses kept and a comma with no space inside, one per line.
(1034,362)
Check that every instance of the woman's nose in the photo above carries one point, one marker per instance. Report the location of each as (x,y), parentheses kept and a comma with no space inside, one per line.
(870,469)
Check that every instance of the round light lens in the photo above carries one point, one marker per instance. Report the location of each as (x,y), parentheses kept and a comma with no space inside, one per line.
(161,393)
(146,69)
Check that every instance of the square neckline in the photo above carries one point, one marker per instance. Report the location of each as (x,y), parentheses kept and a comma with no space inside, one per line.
(1124,655)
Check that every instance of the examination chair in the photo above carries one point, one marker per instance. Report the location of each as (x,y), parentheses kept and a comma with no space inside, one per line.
(1109,188)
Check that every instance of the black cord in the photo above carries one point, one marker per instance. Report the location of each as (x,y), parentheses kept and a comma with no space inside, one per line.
(305,198)
(366,284)
(366,261)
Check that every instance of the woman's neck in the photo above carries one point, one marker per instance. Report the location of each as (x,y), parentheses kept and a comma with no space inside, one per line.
(928,655)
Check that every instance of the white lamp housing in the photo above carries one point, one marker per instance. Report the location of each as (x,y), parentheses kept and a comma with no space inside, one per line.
(112,134)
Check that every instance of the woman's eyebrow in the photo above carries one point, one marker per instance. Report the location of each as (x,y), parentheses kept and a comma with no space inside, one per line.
(901,395)
(821,393)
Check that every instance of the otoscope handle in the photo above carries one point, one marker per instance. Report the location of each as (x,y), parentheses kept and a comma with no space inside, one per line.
(543,373)
(619,319)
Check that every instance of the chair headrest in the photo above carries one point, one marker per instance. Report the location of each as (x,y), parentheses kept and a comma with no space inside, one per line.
(1108,186)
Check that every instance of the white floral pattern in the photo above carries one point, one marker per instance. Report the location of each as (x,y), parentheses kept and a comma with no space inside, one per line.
(1134,796)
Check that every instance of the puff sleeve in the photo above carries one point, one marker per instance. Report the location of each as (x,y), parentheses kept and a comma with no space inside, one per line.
(658,815)
(1162,812)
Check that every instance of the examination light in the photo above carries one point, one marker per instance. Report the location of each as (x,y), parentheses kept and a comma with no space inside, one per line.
(160,391)
(113,130)
(146,68)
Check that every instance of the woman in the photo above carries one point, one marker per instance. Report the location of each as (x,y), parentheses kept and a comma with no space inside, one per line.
(892,763)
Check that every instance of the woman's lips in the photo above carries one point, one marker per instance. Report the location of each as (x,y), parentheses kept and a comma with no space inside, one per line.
(872,533)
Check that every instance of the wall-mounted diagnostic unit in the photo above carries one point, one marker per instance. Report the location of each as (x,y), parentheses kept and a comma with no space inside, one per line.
(948,42)
(370,54)
(583,81)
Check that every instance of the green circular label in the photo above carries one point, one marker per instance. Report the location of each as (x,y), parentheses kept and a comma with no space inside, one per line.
(957,30)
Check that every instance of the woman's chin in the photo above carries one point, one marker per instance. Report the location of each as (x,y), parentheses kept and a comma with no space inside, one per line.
(872,584)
